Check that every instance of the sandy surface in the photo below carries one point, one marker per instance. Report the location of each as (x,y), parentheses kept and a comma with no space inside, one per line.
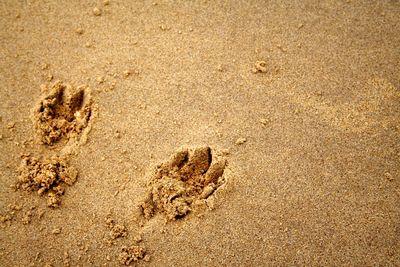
(302,100)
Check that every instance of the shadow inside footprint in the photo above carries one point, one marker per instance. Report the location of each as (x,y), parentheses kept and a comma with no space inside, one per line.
(189,176)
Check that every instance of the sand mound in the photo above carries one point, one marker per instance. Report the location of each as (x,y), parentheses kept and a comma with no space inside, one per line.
(48,176)
(189,176)
(63,113)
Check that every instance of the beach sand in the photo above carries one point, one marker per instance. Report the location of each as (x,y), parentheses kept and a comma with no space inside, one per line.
(199,133)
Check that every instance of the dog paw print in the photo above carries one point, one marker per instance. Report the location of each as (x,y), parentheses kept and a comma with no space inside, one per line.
(63,113)
(189,176)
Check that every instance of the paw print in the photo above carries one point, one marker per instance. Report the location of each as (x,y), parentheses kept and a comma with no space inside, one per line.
(63,113)
(189,176)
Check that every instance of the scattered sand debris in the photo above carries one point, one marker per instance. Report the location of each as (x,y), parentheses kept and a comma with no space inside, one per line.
(189,176)
(241,141)
(27,217)
(10,213)
(260,66)
(116,230)
(64,112)
(132,254)
(48,176)
(97,11)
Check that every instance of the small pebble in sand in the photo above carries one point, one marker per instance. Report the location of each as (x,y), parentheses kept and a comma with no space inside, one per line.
(44,66)
(106,2)
(79,31)
(138,238)
(100,79)
(10,125)
(49,77)
(260,66)
(56,231)
(97,11)
(27,217)
(241,141)
(264,121)
(127,73)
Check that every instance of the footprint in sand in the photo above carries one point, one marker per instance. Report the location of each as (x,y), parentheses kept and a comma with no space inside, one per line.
(63,113)
(189,177)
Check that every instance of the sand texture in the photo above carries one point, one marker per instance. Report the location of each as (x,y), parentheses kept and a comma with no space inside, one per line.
(199,133)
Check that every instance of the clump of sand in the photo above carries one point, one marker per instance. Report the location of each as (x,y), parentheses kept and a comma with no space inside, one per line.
(47,176)
(116,230)
(189,176)
(132,254)
(63,113)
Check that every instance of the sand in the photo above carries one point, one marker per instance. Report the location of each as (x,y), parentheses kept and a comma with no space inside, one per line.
(199,133)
